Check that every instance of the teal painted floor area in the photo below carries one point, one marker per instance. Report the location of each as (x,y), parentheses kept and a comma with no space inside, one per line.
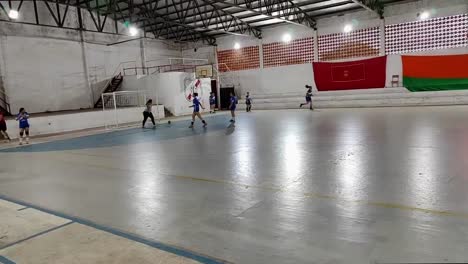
(163,131)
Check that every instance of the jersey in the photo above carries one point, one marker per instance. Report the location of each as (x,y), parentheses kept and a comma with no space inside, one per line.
(196,104)
(23,120)
(308,96)
(212,100)
(233,102)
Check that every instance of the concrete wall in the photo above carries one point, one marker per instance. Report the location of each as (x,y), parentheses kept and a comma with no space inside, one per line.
(51,124)
(170,89)
(50,69)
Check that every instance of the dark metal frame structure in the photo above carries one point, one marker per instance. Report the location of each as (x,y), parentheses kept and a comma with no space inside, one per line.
(191,20)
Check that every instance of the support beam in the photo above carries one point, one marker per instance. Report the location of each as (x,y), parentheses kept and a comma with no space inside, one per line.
(374,6)
(288,5)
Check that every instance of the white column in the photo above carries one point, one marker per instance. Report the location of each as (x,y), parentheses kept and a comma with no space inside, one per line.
(260,52)
(143,54)
(382,37)
(218,84)
(316,52)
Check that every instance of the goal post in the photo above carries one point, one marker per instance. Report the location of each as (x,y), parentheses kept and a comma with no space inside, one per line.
(124,108)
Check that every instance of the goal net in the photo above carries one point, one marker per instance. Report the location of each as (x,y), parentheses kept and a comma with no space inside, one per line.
(124,108)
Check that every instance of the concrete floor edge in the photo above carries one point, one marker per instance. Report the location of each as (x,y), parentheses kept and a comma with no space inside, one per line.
(155,244)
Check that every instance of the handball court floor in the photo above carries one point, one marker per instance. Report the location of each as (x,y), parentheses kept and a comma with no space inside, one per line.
(385,185)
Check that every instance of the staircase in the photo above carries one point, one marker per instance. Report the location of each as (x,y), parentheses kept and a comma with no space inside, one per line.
(167,113)
(111,87)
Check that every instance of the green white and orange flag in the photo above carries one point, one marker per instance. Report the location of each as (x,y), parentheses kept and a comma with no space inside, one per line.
(435,73)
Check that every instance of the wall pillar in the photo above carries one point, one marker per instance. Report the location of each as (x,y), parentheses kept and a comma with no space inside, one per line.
(85,70)
(260,52)
(316,52)
(2,66)
(382,37)
(218,84)
(143,54)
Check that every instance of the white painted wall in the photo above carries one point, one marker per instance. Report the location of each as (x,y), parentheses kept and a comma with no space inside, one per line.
(47,69)
(170,89)
(51,124)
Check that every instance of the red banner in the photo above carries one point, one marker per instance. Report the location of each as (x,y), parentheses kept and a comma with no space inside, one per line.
(362,74)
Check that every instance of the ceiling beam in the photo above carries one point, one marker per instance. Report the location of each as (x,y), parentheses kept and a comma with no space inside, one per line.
(304,20)
(244,16)
(375,6)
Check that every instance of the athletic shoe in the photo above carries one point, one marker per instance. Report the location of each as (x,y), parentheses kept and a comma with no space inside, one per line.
(232,121)
(191,126)
(301,105)
(204,125)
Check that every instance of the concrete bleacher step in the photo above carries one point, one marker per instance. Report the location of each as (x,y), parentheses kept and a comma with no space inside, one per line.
(331,93)
(393,98)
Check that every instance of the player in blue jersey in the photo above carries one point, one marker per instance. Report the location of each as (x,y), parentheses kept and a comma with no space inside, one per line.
(22,118)
(196,110)
(232,106)
(212,103)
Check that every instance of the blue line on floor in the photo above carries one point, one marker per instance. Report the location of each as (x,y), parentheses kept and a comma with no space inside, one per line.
(4,260)
(168,248)
(36,235)
(176,130)
(21,209)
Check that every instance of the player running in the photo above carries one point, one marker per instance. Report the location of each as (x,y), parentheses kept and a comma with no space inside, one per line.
(308,97)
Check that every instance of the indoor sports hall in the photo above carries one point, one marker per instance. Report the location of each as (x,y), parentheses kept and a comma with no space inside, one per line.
(233,131)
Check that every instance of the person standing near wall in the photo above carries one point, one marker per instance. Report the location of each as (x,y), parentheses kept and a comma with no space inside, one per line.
(232,106)
(3,127)
(248,102)
(147,113)
(212,103)
(23,118)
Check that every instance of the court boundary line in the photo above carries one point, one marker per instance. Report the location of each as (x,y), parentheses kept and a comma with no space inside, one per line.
(5,260)
(133,237)
(36,235)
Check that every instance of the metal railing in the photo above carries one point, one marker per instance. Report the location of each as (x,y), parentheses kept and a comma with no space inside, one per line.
(158,69)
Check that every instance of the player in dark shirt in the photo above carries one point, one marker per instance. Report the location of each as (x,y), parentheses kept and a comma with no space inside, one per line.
(308,97)
(248,102)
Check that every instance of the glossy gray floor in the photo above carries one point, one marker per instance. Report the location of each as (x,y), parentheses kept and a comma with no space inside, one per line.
(329,186)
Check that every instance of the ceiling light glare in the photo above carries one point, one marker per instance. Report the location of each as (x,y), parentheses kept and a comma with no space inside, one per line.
(133,31)
(13,14)
(347,28)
